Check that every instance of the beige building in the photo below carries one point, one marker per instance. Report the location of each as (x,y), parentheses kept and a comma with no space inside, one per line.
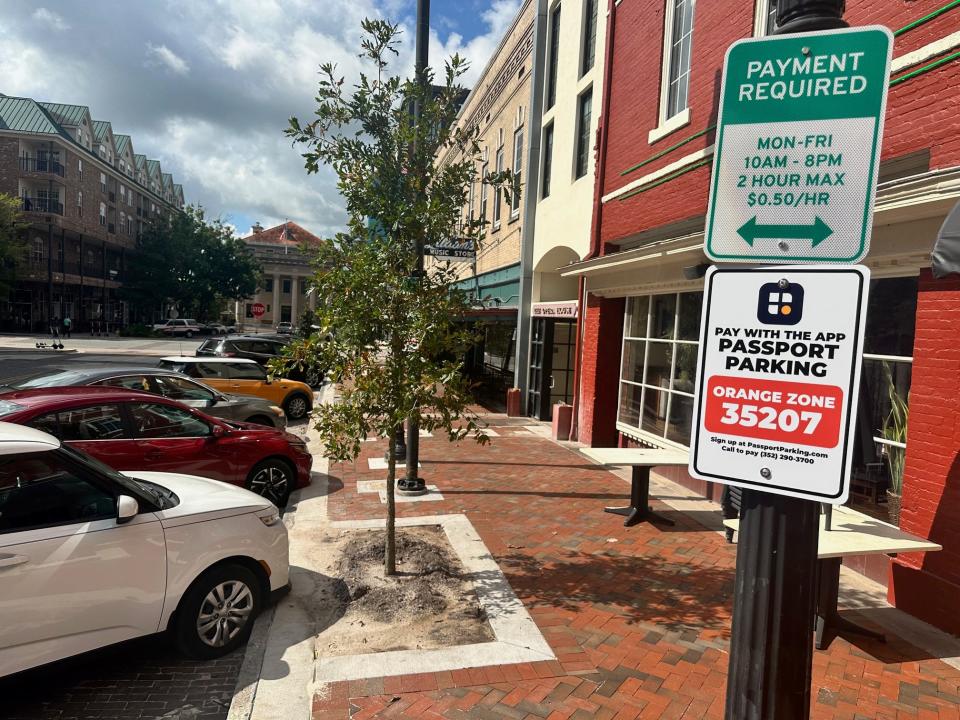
(499,106)
(287,275)
(574,34)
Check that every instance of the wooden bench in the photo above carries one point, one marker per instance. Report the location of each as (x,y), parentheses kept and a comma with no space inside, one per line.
(640,460)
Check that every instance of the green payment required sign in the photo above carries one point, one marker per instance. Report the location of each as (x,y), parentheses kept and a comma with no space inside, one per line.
(798,147)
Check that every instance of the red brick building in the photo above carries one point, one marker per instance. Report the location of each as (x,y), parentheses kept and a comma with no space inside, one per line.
(641,294)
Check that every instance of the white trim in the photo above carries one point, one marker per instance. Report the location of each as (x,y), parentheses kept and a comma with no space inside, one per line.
(666,127)
(668,26)
(937,47)
(657,174)
(892,443)
(760,11)
(889,358)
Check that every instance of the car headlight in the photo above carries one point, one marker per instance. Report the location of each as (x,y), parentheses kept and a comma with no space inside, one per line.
(276,410)
(270,518)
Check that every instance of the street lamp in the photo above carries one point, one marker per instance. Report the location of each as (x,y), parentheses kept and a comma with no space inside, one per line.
(794,16)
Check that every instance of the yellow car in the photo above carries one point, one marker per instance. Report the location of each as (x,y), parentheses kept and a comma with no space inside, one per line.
(245,377)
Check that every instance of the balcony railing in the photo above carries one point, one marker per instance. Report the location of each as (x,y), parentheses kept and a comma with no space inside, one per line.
(40,165)
(41,205)
(111,228)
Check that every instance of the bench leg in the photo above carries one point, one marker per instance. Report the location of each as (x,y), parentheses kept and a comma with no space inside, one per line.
(639,508)
(828,621)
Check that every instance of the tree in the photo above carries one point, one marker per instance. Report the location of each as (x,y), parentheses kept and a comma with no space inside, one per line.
(12,244)
(387,333)
(192,263)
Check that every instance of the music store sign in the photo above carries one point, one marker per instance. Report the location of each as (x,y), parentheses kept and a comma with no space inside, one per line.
(779,366)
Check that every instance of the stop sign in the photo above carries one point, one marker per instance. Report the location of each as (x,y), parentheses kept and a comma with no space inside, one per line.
(257,309)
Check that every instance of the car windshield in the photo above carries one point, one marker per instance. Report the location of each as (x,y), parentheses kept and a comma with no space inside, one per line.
(60,379)
(99,467)
(8,408)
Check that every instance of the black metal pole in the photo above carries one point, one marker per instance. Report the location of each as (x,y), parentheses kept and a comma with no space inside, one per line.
(413,483)
(774,598)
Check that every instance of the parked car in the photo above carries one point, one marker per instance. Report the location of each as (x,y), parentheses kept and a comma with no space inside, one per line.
(169,384)
(245,377)
(213,328)
(90,557)
(146,430)
(261,348)
(179,326)
(285,328)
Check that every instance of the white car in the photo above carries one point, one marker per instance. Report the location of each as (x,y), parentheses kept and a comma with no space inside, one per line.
(91,557)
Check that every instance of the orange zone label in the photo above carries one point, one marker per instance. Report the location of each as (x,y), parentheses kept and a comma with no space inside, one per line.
(789,412)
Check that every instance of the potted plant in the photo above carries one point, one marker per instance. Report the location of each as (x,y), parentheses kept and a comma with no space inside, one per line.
(895,431)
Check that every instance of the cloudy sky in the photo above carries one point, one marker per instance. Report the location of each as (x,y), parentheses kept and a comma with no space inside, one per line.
(207,86)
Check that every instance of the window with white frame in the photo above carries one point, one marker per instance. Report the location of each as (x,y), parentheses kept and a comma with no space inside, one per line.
(497,192)
(765,18)
(678,40)
(103,182)
(546,148)
(659,364)
(80,169)
(103,214)
(517,173)
(471,197)
(589,46)
(79,203)
(553,57)
(658,371)
(483,194)
(584,112)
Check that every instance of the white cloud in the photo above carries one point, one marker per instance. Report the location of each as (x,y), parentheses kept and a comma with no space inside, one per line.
(165,56)
(215,112)
(50,19)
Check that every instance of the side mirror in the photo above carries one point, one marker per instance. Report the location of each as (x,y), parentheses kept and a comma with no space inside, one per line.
(218,431)
(127,509)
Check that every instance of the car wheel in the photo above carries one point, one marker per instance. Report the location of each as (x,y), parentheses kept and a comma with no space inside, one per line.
(260,420)
(314,378)
(216,614)
(296,406)
(189,333)
(272,479)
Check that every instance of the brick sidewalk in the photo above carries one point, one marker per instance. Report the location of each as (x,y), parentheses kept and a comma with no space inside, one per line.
(638,618)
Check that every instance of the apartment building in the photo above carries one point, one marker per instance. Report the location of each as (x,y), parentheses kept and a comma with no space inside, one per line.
(498,106)
(85,196)
(642,275)
(287,273)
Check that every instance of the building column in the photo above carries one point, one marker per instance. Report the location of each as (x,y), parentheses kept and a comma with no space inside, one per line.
(600,368)
(312,301)
(275,308)
(294,296)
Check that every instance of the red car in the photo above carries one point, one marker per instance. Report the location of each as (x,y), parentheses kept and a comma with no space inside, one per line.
(133,430)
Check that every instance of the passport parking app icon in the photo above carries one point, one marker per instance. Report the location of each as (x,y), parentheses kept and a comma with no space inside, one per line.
(778,305)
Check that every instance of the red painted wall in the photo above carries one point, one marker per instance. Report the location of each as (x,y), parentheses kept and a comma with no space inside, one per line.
(921,112)
(928,584)
(600,358)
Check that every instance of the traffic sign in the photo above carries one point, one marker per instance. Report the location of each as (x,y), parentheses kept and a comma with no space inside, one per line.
(778,373)
(257,310)
(798,147)
(457,250)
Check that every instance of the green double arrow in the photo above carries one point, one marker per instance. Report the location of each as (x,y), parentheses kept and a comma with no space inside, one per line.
(816,233)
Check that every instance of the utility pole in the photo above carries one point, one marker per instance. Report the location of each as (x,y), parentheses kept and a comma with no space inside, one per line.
(413,484)
(774,603)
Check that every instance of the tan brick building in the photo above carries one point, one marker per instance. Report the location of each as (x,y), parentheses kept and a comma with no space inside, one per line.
(85,195)
(498,105)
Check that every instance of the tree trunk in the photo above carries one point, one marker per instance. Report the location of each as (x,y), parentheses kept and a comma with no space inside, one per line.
(390,552)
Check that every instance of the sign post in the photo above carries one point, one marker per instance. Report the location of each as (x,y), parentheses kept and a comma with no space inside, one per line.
(794,180)
(798,147)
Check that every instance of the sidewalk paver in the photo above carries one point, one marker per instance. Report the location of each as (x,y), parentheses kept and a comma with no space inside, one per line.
(638,618)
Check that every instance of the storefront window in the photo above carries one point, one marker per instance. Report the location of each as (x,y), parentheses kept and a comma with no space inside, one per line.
(659,367)
(659,364)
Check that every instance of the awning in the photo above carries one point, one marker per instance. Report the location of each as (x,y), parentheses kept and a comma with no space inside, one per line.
(617,262)
(946,251)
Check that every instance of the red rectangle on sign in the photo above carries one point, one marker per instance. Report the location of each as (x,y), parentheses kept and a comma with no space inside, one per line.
(790,412)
